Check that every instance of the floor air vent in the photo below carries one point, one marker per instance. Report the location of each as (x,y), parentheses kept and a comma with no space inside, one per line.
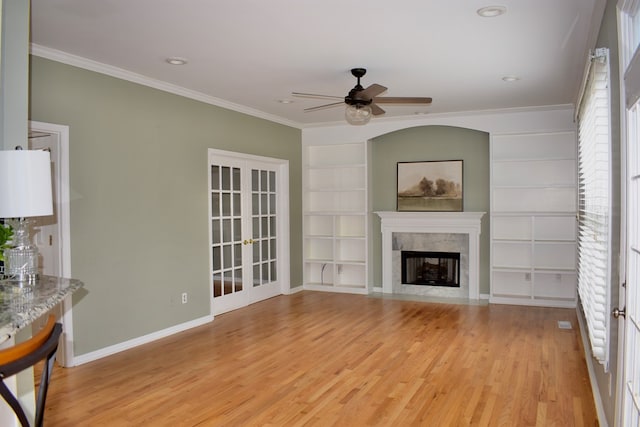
(564,324)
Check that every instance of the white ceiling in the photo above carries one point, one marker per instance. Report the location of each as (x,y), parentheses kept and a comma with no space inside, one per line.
(252,53)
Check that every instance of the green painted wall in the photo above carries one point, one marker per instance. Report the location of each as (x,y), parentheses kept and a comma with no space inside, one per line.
(138,183)
(13,73)
(431,143)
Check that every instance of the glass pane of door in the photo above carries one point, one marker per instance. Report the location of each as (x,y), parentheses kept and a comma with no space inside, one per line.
(226,229)
(263,219)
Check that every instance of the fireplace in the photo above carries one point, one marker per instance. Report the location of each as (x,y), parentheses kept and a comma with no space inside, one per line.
(457,232)
(431,268)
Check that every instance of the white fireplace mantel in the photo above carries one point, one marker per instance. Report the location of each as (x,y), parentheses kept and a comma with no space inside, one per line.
(432,222)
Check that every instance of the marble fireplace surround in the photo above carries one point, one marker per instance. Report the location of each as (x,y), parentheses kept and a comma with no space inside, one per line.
(467,223)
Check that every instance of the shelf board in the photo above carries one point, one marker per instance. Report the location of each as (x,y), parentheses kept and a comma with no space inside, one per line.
(531,214)
(318,261)
(553,270)
(534,187)
(532,159)
(319,236)
(336,166)
(511,269)
(334,213)
(544,241)
(336,190)
(350,262)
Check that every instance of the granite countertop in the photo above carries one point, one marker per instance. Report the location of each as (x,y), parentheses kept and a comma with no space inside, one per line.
(20,306)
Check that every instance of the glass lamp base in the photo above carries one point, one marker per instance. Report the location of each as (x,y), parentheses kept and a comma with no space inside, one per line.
(21,264)
(21,261)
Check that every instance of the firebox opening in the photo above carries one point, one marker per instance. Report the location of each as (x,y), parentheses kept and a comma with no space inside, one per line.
(431,268)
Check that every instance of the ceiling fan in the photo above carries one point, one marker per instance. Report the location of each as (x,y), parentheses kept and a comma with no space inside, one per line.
(363,103)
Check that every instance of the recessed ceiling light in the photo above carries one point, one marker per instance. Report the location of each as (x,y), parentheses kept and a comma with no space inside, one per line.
(510,79)
(175,60)
(491,11)
(286,101)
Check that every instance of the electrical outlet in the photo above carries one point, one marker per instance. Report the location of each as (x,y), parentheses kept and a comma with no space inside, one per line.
(184,298)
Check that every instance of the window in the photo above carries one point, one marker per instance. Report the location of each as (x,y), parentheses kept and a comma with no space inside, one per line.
(594,159)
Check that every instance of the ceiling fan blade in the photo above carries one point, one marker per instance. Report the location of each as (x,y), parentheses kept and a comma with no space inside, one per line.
(376,110)
(321,107)
(402,100)
(372,91)
(313,95)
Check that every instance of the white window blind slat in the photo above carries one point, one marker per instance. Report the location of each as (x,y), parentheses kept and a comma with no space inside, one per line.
(594,204)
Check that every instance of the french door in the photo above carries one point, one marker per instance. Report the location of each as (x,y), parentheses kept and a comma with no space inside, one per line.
(629,315)
(631,364)
(631,301)
(246,224)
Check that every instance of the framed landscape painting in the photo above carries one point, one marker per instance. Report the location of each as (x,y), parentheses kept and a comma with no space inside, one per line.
(430,186)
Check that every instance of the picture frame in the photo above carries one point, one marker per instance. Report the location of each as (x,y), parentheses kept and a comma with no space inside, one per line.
(430,186)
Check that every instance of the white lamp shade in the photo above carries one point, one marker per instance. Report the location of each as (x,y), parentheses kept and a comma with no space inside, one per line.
(25,184)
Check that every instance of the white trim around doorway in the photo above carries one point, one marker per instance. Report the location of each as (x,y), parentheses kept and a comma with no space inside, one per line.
(66,356)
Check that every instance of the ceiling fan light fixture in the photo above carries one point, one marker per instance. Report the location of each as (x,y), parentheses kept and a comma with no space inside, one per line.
(358,114)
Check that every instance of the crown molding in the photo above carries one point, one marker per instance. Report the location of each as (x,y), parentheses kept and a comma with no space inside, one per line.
(98,67)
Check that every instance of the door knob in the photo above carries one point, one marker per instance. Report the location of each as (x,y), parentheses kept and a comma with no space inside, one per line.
(248,242)
(617,312)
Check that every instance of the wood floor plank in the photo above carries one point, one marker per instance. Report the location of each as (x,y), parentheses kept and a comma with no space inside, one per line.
(322,359)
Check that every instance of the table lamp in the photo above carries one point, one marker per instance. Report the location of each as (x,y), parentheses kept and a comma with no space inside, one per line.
(25,191)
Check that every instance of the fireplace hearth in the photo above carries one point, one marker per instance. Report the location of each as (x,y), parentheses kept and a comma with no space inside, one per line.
(426,268)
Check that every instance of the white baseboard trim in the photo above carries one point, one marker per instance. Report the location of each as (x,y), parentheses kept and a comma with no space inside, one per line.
(336,289)
(532,302)
(602,418)
(295,290)
(378,289)
(135,342)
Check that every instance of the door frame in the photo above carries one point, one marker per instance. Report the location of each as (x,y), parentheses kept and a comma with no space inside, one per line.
(282,219)
(65,354)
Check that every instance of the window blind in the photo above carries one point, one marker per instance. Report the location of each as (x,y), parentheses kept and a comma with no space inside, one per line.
(594,203)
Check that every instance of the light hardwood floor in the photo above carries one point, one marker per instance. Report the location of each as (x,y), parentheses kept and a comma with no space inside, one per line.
(322,359)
